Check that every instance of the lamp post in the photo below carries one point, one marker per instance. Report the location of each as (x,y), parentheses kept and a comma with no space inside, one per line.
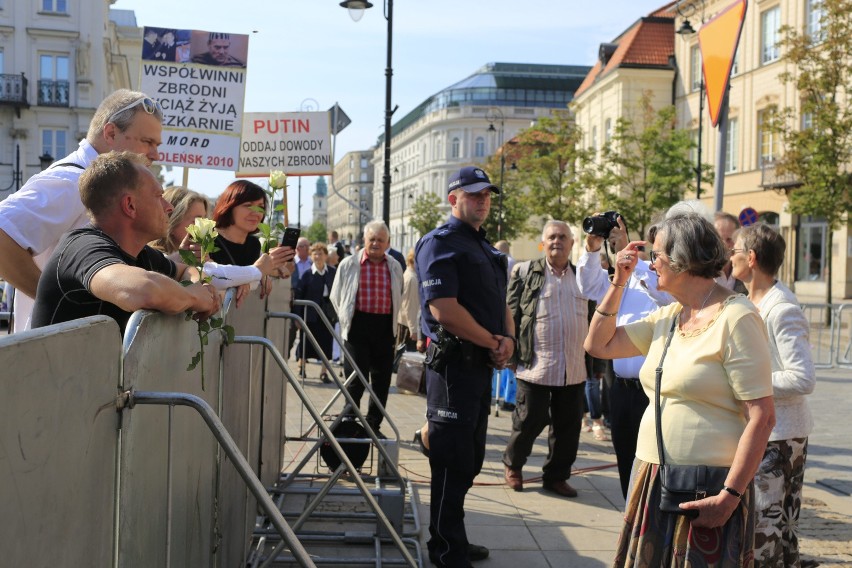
(494,114)
(687,9)
(18,175)
(356,11)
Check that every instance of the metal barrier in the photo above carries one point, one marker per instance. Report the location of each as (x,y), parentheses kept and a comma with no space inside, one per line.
(822,322)
(843,356)
(7,315)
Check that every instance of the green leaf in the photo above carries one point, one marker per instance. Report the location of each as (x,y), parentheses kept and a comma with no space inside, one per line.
(229,333)
(188,258)
(186,283)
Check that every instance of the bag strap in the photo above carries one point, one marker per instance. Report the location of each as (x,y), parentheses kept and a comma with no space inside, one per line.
(658,379)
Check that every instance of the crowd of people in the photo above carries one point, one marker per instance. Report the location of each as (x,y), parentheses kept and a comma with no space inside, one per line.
(706,351)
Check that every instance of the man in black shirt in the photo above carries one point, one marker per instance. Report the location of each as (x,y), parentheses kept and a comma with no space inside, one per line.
(107,268)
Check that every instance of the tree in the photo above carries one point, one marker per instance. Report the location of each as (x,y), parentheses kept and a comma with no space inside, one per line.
(425,213)
(646,166)
(818,138)
(554,169)
(516,212)
(317,232)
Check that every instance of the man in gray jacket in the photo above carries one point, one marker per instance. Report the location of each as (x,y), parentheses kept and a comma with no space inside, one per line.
(366,296)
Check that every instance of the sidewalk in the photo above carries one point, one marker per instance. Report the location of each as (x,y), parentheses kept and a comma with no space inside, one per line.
(533,529)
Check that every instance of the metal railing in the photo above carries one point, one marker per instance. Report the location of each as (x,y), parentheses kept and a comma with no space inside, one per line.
(53,93)
(13,89)
(830,337)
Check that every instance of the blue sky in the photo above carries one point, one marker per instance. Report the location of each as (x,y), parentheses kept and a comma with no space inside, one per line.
(311,49)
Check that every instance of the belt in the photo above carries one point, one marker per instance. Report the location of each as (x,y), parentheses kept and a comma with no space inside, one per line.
(630,383)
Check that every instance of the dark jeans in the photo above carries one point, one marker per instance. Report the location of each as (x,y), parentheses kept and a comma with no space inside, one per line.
(371,341)
(536,407)
(627,403)
(458,402)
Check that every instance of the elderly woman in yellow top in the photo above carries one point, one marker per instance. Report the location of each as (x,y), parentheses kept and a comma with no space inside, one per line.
(716,399)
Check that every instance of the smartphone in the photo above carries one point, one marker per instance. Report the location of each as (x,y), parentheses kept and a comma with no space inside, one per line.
(290,237)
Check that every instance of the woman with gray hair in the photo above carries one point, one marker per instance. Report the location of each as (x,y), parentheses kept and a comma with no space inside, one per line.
(757,254)
(715,400)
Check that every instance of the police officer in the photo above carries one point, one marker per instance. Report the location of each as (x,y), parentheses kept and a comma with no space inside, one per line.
(463,303)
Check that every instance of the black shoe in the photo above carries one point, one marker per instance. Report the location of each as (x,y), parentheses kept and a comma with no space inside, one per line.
(418,439)
(507,406)
(324,377)
(476,552)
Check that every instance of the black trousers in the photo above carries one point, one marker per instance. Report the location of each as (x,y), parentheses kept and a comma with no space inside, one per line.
(458,401)
(536,407)
(627,402)
(371,342)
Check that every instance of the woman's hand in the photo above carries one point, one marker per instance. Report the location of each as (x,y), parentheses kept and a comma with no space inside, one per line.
(713,511)
(625,262)
(242,292)
(188,244)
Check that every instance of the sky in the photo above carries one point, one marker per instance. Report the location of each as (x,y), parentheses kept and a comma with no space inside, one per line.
(309,54)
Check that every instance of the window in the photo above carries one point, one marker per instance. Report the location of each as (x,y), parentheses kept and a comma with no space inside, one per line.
(479,147)
(455,151)
(767,138)
(770,22)
(731,146)
(810,256)
(595,138)
(363,163)
(607,130)
(351,163)
(695,68)
(351,178)
(60,6)
(54,142)
(735,66)
(1,60)
(363,176)
(53,82)
(807,120)
(814,13)
(439,149)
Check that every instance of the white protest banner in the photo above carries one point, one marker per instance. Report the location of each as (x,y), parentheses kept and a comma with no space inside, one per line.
(298,143)
(198,78)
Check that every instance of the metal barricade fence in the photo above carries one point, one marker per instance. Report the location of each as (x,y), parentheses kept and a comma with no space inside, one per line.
(843,356)
(822,320)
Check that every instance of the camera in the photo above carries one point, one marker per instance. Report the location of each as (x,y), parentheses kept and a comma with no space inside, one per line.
(601,225)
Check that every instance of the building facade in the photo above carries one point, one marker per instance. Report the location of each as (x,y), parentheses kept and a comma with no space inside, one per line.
(463,125)
(637,64)
(320,209)
(58,61)
(350,199)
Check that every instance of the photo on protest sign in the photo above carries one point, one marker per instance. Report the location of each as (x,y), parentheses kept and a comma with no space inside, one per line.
(198,77)
(297,143)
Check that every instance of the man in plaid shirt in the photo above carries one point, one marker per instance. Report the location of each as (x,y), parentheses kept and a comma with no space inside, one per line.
(366,295)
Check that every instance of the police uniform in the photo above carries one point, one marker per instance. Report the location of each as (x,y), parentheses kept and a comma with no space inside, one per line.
(456,261)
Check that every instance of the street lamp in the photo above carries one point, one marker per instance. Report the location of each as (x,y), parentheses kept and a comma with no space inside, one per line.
(494,114)
(687,9)
(356,10)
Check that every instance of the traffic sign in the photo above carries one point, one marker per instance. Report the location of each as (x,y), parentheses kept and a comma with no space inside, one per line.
(748,216)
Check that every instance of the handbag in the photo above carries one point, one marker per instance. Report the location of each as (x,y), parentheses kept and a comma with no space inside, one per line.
(682,483)
(328,310)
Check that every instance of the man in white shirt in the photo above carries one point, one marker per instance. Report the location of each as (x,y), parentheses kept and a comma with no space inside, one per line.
(33,219)
(627,400)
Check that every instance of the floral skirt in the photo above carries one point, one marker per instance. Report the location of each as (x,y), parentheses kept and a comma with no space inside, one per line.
(653,539)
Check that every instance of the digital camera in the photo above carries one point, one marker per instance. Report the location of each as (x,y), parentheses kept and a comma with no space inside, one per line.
(601,225)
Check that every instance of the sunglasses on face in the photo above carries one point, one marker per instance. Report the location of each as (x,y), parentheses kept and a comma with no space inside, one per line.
(149,105)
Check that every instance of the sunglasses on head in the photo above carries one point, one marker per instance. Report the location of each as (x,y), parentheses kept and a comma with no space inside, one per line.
(149,105)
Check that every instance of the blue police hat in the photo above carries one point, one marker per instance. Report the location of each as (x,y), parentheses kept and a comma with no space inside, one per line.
(471,179)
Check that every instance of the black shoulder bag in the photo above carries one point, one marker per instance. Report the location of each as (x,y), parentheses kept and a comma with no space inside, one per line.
(682,483)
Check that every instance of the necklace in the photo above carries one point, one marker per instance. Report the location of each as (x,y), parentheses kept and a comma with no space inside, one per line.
(703,305)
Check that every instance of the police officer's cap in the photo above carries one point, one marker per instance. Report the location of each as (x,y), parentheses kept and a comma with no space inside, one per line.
(471,179)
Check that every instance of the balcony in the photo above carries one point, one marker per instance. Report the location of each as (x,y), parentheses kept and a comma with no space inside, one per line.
(53,93)
(13,91)
(771,178)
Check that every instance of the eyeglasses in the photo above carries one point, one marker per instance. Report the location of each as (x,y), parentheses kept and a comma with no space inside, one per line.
(149,105)
(733,251)
(654,255)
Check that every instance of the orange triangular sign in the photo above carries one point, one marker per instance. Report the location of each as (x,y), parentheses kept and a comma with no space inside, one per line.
(718,41)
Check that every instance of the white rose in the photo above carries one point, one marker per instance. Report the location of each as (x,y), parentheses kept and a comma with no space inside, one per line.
(202,229)
(277,179)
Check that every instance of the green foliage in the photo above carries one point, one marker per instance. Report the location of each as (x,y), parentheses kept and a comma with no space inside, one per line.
(554,170)
(820,155)
(316,233)
(516,212)
(425,213)
(646,166)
